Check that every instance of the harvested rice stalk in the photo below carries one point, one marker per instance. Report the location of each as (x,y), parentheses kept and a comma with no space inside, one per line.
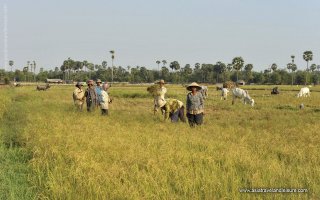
(229,84)
(153,89)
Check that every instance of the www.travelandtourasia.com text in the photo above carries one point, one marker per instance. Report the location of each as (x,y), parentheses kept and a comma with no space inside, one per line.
(273,190)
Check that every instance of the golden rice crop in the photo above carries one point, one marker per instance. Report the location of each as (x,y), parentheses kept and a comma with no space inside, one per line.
(132,154)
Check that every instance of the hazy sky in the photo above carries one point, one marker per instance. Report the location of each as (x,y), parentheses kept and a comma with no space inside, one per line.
(143,31)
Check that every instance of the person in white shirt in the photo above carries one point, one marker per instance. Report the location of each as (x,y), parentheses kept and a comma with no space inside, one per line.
(159,100)
(104,100)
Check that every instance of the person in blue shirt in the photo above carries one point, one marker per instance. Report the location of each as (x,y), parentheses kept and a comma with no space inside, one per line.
(98,89)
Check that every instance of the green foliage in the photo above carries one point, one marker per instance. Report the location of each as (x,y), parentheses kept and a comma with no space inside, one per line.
(202,73)
(6,80)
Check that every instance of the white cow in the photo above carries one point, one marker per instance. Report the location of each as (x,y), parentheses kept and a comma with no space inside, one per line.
(204,91)
(224,93)
(242,94)
(304,92)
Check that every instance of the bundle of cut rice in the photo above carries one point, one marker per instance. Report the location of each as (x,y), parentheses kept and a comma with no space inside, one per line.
(229,84)
(153,89)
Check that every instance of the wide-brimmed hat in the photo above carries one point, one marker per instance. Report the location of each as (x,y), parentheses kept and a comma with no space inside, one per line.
(98,81)
(194,84)
(161,81)
(79,84)
(90,82)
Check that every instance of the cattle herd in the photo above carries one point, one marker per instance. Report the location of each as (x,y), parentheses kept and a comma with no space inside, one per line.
(238,93)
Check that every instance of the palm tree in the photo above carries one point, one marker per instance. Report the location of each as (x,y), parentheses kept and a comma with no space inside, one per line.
(197,66)
(293,68)
(229,67)
(25,71)
(307,56)
(112,57)
(85,64)
(289,67)
(31,68)
(158,62)
(274,67)
(11,63)
(164,62)
(174,65)
(292,57)
(34,70)
(313,67)
(171,66)
(129,67)
(104,64)
(237,63)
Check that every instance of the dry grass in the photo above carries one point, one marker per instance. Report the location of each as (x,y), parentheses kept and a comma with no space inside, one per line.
(134,155)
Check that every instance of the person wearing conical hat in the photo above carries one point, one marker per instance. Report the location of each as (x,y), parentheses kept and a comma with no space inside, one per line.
(78,96)
(195,105)
(91,96)
(159,99)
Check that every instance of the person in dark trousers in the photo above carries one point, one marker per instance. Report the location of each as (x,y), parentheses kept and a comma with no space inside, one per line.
(98,89)
(91,96)
(195,105)
(174,110)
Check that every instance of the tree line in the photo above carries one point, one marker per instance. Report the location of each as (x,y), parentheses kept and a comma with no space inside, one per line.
(73,70)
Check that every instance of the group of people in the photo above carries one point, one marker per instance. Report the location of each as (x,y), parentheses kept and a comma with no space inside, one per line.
(97,96)
(174,109)
(94,96)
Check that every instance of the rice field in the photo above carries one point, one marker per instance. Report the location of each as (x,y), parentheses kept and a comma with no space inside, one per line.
(48,150)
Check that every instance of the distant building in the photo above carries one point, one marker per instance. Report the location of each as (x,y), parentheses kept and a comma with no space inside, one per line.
(57,81)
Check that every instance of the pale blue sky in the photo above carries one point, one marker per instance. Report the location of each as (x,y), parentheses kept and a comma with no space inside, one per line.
(142,31)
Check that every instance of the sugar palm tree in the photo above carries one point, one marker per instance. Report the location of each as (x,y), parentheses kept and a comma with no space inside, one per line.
(34,70)
(112,57)
(274,67)
(11,63)
(293,68)
(104,64)
(307,56)
(164,62)
(313,67)
(292,58)
(31,68)
(85,64)
(248,68)
(158,63)
(289,67)
(129,67)
(237,64)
